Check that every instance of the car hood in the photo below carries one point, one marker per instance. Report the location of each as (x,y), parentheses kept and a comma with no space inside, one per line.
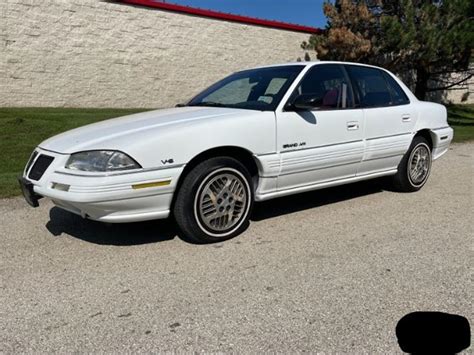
(114,134)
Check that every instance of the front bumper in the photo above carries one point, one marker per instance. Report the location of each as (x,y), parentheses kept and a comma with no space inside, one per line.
(140,195)
(28,193)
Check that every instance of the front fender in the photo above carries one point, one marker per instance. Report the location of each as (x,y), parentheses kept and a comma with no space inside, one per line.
(180,143)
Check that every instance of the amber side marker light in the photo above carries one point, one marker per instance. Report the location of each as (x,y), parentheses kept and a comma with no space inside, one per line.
(151,184)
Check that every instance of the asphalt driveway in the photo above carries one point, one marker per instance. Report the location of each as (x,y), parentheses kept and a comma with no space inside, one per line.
(329,271)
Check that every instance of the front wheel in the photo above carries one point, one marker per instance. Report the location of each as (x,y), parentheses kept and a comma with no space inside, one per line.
(214,201)
(415,167)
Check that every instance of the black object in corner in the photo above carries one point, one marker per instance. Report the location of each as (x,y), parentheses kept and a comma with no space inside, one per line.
(433,333)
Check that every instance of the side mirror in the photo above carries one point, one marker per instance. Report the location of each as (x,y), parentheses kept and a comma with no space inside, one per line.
(307,102)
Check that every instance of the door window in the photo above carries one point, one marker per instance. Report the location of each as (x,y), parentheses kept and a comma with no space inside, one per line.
(330,84)
(371,86)
(398,95)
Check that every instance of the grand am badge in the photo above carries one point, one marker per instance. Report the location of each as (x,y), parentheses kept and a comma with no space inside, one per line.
(294,145)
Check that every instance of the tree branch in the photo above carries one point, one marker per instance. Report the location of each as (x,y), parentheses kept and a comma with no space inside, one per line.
(450,85)
(469,70)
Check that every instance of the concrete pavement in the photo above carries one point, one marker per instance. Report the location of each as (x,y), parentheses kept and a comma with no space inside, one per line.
(327,271)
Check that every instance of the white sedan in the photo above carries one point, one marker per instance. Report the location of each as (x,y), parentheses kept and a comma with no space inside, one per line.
(253,136)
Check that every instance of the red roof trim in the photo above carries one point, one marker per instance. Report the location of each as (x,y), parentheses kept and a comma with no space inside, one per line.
(222,16)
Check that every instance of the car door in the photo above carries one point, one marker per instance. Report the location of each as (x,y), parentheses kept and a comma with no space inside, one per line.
(325,143)
(389,118)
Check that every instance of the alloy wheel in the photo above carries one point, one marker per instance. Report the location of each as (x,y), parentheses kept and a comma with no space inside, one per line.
(222,202)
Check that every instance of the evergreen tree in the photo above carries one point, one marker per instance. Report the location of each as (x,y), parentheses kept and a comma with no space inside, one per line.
(431,40)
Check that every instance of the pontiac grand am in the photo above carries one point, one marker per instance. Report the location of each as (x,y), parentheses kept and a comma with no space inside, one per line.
(255,135)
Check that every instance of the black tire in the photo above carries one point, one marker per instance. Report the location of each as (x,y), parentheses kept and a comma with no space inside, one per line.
(189,212)
(403,180)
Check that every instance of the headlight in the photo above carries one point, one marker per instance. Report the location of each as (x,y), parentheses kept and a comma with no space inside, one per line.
(101,161)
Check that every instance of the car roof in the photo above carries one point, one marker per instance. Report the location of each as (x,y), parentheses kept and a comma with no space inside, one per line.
(312,63)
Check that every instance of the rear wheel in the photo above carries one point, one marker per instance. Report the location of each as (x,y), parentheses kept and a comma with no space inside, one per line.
(415,167)
(214,201)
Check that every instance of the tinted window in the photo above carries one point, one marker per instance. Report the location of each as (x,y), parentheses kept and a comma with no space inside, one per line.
(398,95)
(256,89)
(371,85)
(329,83)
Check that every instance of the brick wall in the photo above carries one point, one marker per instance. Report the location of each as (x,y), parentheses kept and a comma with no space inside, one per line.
(91,53)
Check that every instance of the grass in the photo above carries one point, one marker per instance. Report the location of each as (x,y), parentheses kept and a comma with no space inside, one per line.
(461,118)
(22,129)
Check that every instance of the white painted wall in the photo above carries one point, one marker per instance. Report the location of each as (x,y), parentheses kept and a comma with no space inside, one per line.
(90,53)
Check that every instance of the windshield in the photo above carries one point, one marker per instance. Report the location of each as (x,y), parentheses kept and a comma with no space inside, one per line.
(256,89)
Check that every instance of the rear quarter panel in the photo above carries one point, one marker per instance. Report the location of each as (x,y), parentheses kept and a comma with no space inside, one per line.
(434,117)
(430,116)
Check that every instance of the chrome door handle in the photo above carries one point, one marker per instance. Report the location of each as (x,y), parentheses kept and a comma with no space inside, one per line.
(352,126)
(406,118)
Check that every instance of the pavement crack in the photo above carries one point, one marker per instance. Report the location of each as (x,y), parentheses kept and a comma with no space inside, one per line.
(125,315)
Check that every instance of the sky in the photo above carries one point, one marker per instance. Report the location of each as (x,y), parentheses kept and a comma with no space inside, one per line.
(301,12)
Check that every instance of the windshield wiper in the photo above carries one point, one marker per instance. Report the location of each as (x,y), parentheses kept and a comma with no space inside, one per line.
(209,104)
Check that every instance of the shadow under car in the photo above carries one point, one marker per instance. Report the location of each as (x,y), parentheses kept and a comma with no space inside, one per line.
(128,234)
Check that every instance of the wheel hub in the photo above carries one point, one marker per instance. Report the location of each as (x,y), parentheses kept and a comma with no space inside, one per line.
(419,164)
(222,201)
